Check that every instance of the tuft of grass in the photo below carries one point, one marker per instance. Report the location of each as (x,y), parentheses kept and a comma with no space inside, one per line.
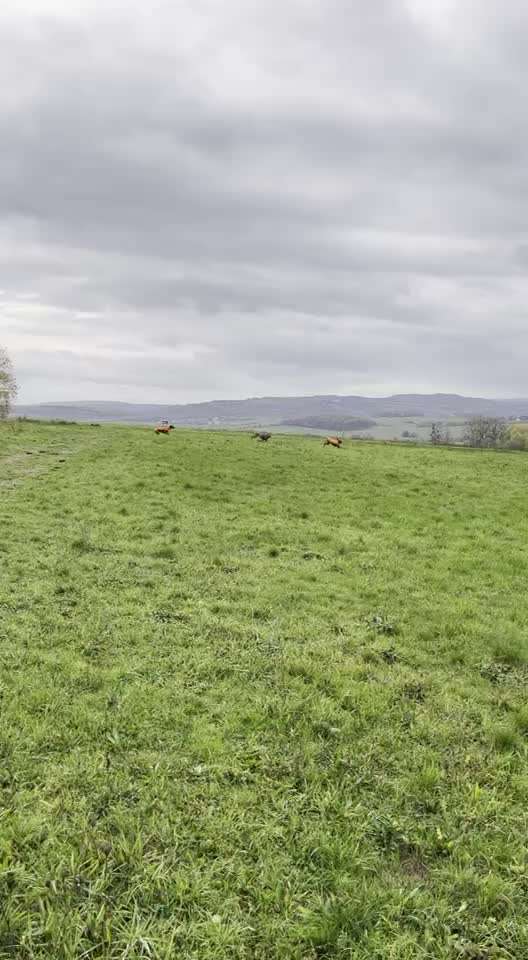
(83,543)
(521,719)
(511,649)
(165,552)
(504,737)
(428,779)
(380,624)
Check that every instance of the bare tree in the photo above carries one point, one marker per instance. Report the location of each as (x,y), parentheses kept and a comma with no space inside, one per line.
(486,432)
(8,385)
(436,433)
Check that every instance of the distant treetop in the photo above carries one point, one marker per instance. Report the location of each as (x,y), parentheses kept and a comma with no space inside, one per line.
(8,385)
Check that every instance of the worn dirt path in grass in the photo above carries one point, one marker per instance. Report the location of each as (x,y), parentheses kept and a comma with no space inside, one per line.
(30,452)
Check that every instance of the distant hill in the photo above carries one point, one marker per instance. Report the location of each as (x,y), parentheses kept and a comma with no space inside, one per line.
(269,411)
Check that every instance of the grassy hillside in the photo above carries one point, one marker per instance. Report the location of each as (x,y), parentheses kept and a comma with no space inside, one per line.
(261,702)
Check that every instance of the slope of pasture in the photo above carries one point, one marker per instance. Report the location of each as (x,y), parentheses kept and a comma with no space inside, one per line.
(261,702)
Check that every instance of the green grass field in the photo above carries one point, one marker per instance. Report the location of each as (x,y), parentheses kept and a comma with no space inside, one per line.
(261,701)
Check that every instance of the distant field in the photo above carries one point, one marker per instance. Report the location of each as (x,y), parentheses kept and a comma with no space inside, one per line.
(389,428)
(327,423)
(382,428)
(392,428)
(261,701)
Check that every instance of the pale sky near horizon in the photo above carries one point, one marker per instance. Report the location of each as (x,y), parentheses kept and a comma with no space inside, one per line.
(206,199)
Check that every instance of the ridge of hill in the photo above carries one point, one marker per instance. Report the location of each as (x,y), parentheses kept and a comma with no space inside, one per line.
(256,411)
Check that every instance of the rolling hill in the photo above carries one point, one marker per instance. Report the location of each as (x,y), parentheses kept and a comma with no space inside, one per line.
(268,411)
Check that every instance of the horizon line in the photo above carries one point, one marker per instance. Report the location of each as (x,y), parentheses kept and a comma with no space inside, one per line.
(246,399)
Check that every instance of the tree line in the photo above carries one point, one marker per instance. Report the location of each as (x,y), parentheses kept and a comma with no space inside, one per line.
(491,433)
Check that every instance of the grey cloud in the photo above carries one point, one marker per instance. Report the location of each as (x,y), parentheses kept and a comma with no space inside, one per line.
(314,196)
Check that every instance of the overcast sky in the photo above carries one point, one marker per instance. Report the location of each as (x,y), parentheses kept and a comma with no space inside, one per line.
(223,198)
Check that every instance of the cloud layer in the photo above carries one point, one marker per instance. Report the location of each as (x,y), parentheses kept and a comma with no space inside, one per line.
(204,200)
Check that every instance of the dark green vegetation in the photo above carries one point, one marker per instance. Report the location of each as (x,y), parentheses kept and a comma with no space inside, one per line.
(261,701)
